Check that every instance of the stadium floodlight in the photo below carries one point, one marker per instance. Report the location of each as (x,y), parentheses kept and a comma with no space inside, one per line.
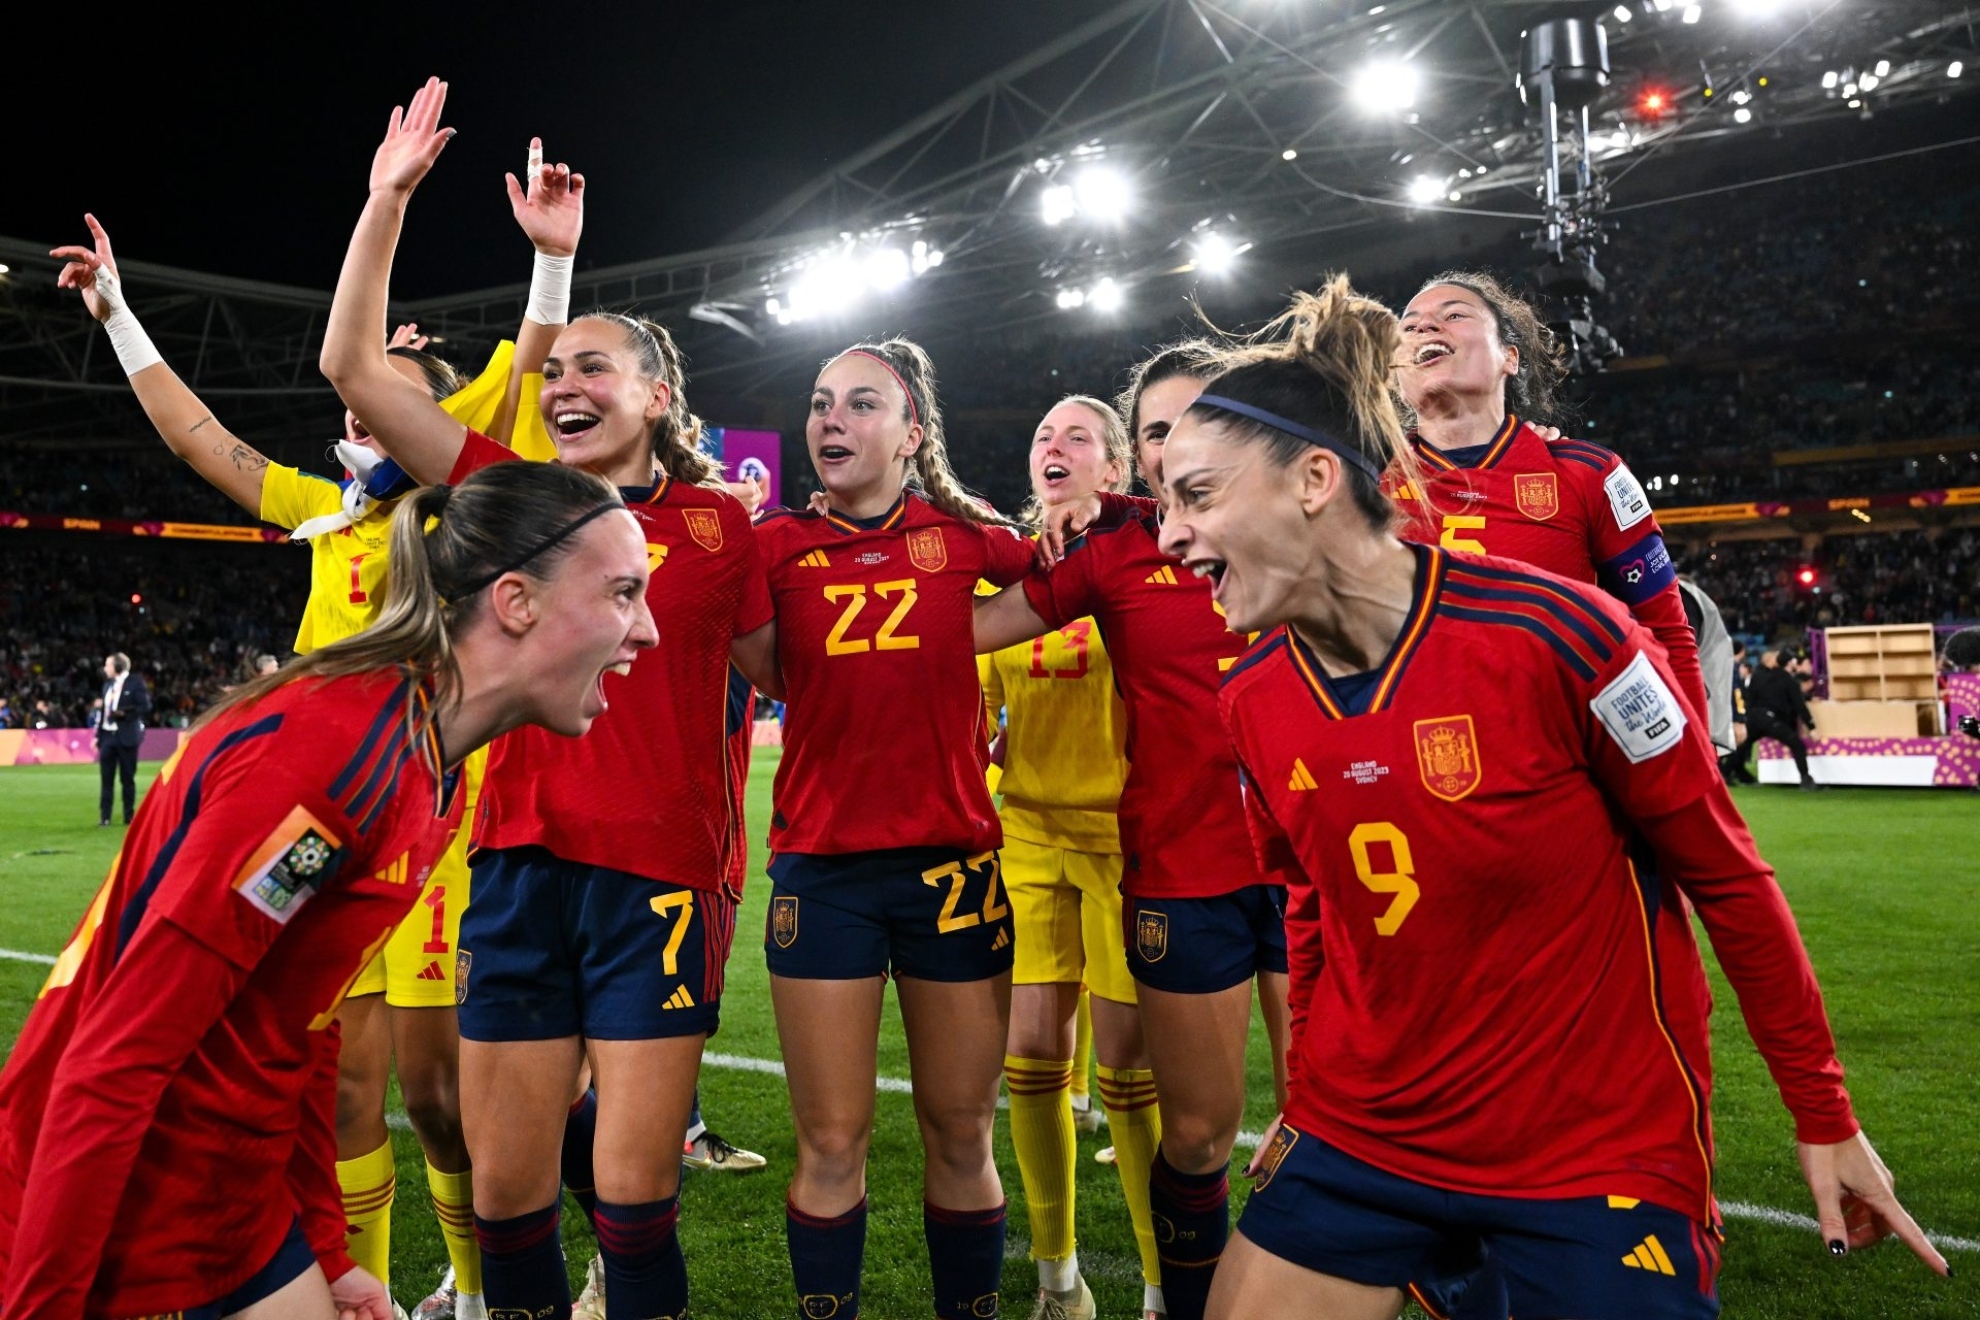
(1869,82)
(1742,116)
(773,307)
(1385,86)
(1102,193)
(1954,69)
(1057,204)
(1423,189)
(1622,14)
(1215,254)
(1830,79)
(1883,69)
(1070,298)
(1290,154)
(1692,13)
(4,267)
(887,268)
(1106,296)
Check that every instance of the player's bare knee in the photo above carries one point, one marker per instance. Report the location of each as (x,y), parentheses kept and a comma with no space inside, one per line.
(435,1115)
(1193,1145)
(833,1154)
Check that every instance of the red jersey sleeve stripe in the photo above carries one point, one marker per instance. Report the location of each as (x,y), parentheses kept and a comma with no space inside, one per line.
(1583,640)
(1565,599)
(135,906)
(391,788)
(1526,623)
(380,724)
(1573,451)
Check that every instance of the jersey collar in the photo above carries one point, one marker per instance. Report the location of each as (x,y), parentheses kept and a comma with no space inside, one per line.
(1435,460)
(885,522)
(1430,566)
(654,494)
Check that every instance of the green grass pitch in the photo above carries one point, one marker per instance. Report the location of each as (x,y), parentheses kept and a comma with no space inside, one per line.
(1886,885)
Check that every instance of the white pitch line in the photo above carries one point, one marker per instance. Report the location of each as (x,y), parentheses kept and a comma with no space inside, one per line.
(1765,1214)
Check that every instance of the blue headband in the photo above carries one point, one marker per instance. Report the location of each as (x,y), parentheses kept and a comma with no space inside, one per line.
(1291,428)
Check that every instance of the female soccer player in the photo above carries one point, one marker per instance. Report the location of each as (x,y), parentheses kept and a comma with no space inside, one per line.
(883,836)
(402,1007)
(165,1119)
(1489,1057)
(603,913)
(1201,923)
(1063,761)
(1491,483)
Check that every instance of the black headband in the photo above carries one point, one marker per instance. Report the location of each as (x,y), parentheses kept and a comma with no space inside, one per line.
(1291,428)
(546,543)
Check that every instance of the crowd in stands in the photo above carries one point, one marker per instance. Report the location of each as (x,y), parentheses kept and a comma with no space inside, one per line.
(191,617)
(1877,577)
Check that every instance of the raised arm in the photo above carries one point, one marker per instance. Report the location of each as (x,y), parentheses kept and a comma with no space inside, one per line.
(186,425)
(548,203)
(1006,619)
(402,417)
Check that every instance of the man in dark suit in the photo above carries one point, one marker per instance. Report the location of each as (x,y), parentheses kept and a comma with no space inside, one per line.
(121,732)
(1776,708)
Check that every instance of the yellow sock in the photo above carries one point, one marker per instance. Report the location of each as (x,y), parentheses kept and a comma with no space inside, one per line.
(453,1206)
(1135,1124)
(368,1183)
(1042,1131)
(1082,1049)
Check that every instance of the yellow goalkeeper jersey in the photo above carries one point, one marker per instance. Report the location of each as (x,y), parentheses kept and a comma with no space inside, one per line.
(1065,755)
(347,573)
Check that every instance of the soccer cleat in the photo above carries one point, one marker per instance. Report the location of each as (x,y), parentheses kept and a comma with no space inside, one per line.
(442,1304)
(1089,1120)
(590,1304)
(709,1151)
(398,1312)
(1079,1306)
(1104,1156)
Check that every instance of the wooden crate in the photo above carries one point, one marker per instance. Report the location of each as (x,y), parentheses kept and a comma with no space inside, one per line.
(1885,664)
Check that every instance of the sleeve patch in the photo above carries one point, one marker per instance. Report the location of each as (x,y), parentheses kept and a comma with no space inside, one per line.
(1626,498)
(289,867)
(1639,711)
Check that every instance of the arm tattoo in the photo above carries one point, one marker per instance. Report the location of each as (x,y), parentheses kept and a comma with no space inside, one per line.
(201,422)
(247,460)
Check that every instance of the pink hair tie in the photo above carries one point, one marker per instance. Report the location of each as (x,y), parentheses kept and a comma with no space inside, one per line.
(913,412)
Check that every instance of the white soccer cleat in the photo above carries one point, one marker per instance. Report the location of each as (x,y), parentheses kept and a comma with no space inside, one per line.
(1089,1120)
(1080,1306)
(590,1304)
(443,1304)
(709,1151)
(1104,1156)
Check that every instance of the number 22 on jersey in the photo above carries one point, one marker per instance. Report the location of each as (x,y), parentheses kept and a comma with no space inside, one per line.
(851,598)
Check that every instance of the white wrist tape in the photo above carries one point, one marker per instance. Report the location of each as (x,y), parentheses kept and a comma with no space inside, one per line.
(132,345)
(550,290)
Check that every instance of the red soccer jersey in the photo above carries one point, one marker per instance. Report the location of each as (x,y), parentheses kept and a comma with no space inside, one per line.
(649,789)
(1182,816)
(169,1107)
(1566,506)
(883,724)
(1463,837)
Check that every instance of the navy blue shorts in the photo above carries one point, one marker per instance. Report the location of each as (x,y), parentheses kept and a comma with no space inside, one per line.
(551,948)
(931,913)
(293,1259)
(1198,946)
(1591,1257)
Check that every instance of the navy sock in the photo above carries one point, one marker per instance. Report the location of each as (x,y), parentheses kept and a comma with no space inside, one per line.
(580,1129)
(965,1259)
(645,1277)
(1192,1222)
(827,1256)
(522,1266)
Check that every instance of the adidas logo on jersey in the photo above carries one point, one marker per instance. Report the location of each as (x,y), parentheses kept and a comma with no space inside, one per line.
(1003,938)
(816,559)
(431,972)
(1163,576)
(1302,778)
(395,874)
(1650,1255)
(679,999)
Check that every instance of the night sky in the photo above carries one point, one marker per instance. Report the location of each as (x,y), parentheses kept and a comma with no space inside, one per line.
(237,142)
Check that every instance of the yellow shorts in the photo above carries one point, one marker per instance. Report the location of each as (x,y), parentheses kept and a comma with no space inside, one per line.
(416,970)
(1067,910)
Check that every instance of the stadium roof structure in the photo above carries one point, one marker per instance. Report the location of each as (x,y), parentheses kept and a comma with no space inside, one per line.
(1157,138)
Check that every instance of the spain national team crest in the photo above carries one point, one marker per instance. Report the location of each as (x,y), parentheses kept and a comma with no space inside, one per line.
(462,961)
(705,526)
(926,550)
(1447,756)
(783,920)
(1151,934)
(1537,494)
(1275,1154)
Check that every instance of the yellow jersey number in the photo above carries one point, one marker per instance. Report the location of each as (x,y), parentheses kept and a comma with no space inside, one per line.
(1400,881)
(992,910)
(886,637)
(1224,665)
(1457,523)
(683,899)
